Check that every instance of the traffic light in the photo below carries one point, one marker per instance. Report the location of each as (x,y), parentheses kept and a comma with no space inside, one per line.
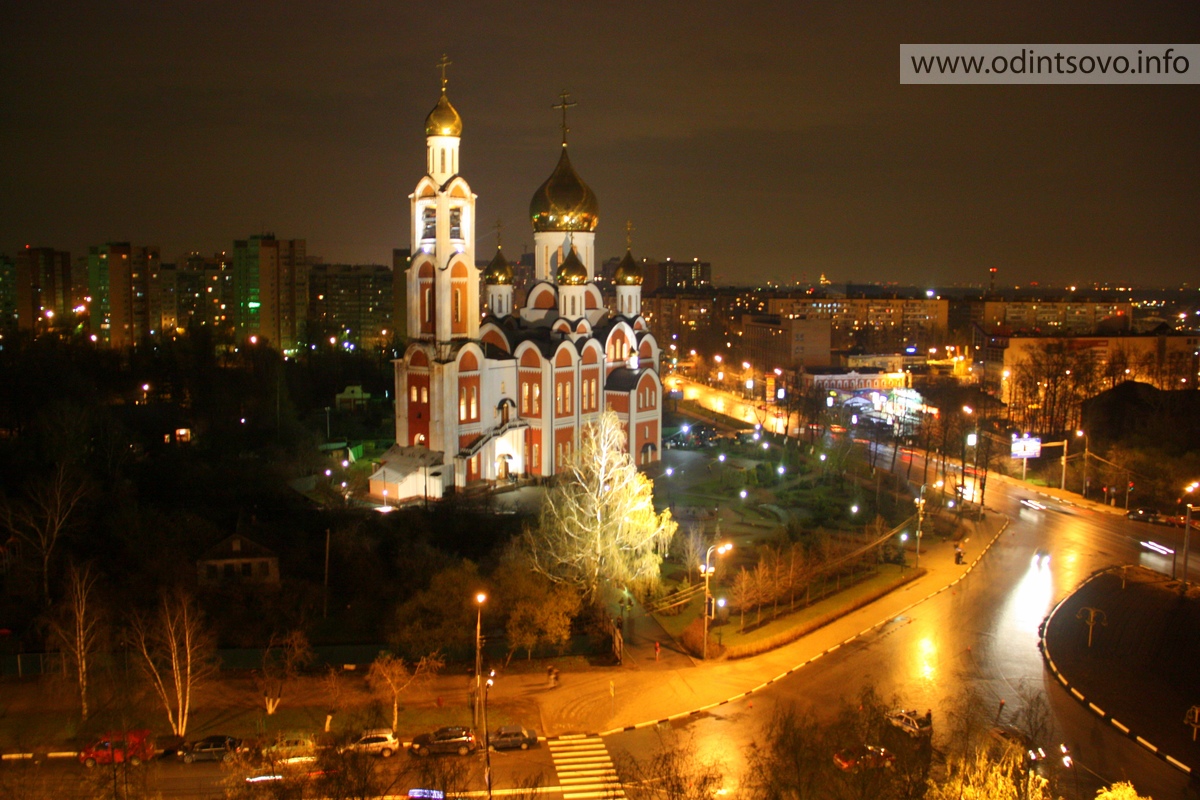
(1130,489)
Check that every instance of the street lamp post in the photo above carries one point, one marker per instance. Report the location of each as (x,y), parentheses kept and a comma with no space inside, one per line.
(480,599)
(487,741)
(1083,487)
(920,520)
(708,571)
(1187,536)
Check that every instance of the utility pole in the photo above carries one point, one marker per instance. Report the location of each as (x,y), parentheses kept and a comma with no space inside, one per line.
(325,595)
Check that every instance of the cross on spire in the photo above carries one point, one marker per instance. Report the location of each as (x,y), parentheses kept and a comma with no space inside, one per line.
(499,226)
(564,103)
(445,62)
(629,229)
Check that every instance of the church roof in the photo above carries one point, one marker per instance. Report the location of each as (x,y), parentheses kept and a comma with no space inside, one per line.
(499,272)
(571,272)
(444,119)
(564,202)
(629,272)
(624,379)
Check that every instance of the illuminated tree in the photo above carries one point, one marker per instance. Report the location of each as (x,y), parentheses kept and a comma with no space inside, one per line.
(177,651)
(598,528)
(391,676)
(76,629)
(283,658)
(981,777)
(1120,791)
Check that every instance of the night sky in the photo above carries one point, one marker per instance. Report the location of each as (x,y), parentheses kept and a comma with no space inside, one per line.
(772,139)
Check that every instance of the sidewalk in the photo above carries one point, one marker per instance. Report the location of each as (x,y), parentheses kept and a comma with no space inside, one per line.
(643,691)
(1139,674)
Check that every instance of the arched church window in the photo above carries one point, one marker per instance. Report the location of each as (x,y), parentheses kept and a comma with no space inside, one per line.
(456,223)
(429,223)
(458,305)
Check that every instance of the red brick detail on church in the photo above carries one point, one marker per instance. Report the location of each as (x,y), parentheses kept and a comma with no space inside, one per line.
(458,299)
(564,441)
(468,398)
(494,338)
(418,407)
(427,302)
(533,451)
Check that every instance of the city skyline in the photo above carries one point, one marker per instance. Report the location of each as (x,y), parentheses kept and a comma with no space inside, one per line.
(778,146)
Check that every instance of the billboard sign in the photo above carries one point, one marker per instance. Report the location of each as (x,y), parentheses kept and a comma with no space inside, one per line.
(1026,447)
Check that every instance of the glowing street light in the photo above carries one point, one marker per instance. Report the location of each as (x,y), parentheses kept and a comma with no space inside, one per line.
(721,549)
(480,599)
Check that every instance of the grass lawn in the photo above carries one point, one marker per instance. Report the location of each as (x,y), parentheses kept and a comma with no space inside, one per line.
(729,631)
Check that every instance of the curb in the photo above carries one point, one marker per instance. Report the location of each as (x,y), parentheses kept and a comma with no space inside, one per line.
(1043,645)
(749,692)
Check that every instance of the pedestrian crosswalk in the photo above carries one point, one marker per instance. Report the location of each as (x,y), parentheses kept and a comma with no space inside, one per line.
(585,770)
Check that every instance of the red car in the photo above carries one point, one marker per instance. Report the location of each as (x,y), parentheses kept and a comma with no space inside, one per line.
(118,747)
(865,756)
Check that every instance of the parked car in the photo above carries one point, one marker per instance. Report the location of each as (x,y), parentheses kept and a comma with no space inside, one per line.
(292,749)
(912,723)
(380,741)
(452,739)
(1013,739)
(864,756)
(1143,515)
(118,747)
(511,737)
(212,748)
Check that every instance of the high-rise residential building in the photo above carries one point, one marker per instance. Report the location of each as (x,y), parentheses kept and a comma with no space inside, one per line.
(694,274)
(270,287)
(350,302)
(124,283)
(8,293)
(204,292)
(401,256)
(771,342)
(46,287)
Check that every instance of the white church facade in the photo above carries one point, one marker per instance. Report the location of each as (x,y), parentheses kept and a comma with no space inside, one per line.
(486,389)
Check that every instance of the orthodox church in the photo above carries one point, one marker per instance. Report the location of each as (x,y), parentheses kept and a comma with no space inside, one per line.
(488,389)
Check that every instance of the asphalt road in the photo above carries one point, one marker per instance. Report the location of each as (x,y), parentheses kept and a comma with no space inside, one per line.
(978,641)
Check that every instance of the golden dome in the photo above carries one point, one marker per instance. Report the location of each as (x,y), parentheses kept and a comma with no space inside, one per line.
(443,120)
(571,272)
(499,272)
(629,272)
(564,202)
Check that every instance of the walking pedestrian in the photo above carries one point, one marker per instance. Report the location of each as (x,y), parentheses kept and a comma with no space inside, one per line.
(657,649)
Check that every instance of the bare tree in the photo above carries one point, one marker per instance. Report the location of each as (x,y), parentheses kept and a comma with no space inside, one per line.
(391,676)
(44,516)
(177,654)
(981,776)
(598,529)
(789,761)
(673,771)
(744,594)
(691,549)
(76,628)
(282,660)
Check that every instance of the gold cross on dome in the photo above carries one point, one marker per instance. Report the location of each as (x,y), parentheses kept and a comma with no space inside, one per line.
(629,229)
(564,103)
(445,62)
(499,226)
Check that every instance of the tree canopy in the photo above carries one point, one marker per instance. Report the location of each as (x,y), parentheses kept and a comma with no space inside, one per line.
(598,529)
